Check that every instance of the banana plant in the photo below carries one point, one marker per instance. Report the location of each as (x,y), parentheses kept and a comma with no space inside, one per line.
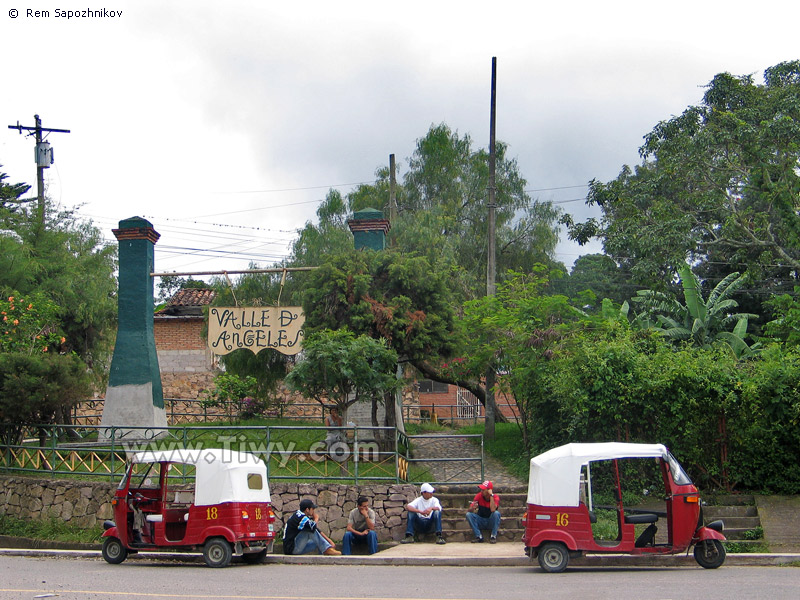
(702,322)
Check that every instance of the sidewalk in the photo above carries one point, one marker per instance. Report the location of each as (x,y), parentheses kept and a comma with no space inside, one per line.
(452,554)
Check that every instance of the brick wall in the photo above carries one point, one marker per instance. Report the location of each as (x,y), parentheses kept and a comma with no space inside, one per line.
(179,333)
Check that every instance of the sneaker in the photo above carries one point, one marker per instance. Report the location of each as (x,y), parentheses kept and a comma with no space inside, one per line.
(477,540)
(492,540)
(440,539)
(409,539)
(332,552)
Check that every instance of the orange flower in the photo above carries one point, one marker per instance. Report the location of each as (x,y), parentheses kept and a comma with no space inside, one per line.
(63,339)
(11,298)
(44,349)
(30,306)
(5,318)
(16,321)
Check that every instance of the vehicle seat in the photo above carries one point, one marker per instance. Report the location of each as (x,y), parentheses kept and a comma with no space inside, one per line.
(642,518)
(647,537)
(151,518)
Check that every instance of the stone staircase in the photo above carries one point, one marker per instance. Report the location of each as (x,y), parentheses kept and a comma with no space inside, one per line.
(740,516)
(456,499)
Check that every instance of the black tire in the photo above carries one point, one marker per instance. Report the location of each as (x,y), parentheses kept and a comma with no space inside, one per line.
(553,557)
(255,558)
(113,551)
(709,554)
(217,552)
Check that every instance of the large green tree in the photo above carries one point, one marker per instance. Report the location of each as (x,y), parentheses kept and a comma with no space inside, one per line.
(719,182)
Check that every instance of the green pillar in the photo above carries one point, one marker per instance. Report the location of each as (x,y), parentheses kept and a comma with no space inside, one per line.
(134,397)
(369,229)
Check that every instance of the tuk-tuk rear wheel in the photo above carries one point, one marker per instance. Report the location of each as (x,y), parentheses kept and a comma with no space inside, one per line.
(553,557)
(709,554)
(217,552)
(113,551)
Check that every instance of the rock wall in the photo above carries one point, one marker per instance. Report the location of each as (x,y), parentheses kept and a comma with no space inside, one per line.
(88,503)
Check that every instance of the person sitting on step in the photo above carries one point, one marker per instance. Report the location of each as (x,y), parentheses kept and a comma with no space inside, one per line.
(424,515)
(483,512)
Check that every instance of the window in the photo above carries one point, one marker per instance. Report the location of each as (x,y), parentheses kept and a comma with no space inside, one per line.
(254,481)
(426,386)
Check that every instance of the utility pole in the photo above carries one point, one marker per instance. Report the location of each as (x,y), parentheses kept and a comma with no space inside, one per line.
(392,191)
(491,267)
(44,156)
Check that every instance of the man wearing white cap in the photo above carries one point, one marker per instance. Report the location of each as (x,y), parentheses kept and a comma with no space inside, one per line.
(424,515)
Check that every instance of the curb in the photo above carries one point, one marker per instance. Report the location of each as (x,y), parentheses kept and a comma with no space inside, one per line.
(592,560)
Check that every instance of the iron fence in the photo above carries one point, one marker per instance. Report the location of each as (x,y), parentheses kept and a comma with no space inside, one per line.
(291,453)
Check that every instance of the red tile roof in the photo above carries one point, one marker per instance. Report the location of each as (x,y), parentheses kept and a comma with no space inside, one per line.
(192,297)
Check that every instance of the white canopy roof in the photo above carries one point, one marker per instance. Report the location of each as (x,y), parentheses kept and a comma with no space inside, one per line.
(555,475)
(221,475)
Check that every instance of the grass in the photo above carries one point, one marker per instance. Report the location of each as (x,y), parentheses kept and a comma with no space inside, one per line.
(49,530)
(505,447)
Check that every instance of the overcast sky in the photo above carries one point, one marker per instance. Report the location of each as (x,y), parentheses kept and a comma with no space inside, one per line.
(225,123)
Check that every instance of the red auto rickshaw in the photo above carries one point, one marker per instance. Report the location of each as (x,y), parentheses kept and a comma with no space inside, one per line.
(225,510)
(560,514)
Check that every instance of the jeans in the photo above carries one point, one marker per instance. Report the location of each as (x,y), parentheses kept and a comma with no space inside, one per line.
(419,525)
(477,523)
(371,540)
(308,541)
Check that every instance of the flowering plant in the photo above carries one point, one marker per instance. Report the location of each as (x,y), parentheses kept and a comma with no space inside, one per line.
(29,324)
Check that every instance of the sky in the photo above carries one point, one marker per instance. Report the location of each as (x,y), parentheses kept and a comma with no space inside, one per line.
(226,123)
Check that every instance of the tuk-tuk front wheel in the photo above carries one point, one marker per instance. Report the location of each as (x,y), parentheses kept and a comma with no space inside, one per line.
(553,557)
(113,551)
(217,552)
(709,554)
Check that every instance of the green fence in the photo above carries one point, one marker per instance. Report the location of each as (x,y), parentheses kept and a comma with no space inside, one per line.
(291,453)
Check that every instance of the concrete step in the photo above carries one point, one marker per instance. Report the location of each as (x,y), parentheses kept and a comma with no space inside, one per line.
(734,500)
(736,522)
(456,523)
(462,500)
(721,512)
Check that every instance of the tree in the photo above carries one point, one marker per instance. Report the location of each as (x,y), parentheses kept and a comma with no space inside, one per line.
(444,209)
(11,202)
(722,178)
(702,322)
(519,334)
(37,388)
(598,274)
(341,368)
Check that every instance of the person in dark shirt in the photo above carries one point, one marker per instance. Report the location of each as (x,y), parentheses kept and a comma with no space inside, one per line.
(483,512)
(301,534)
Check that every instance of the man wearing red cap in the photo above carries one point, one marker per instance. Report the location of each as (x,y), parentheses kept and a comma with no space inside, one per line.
(483,512)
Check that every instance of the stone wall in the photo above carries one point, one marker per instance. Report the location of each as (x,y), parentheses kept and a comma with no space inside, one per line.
(88,503)
(79,502)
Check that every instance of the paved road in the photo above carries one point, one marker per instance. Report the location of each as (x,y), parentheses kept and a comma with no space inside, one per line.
(79,579)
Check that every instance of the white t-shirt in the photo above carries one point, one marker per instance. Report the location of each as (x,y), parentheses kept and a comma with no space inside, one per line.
(421,504)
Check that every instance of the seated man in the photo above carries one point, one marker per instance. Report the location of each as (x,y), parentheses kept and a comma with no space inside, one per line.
(483,513)
(424,515)
(301,535)
(361,527)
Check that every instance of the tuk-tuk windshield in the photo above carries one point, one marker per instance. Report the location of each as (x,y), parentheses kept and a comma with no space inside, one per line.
(679,476)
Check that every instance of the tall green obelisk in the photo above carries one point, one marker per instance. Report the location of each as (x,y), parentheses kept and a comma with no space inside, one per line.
(134,397)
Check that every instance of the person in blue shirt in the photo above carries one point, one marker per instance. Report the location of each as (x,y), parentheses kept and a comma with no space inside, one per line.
(301,534)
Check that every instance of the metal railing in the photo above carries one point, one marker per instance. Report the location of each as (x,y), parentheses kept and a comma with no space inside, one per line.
(292,453)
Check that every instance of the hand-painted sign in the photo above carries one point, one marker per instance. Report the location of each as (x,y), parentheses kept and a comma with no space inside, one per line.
(255,328)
